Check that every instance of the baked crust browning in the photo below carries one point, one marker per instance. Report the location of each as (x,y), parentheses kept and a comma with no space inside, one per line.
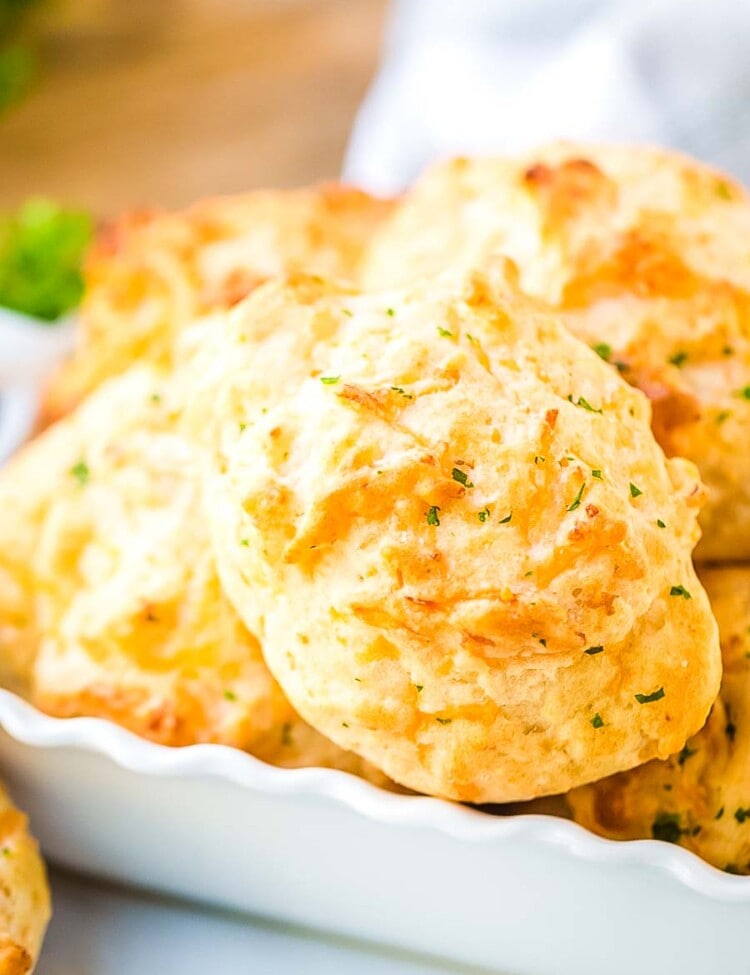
(465,555)
(646,254)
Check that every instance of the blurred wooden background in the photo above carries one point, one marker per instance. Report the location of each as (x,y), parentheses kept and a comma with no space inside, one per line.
(162,101)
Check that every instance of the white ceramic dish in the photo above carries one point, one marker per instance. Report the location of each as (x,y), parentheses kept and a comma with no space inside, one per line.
(530,895)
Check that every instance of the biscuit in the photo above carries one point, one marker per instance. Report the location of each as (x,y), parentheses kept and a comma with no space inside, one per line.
(449,523)
(116,581)
(151,273)
(24,892)
(699,797)
(645,252)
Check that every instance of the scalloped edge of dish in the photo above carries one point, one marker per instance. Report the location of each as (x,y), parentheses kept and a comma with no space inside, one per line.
(27,725)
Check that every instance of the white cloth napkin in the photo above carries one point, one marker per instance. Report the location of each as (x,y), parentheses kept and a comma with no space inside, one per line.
(469,76)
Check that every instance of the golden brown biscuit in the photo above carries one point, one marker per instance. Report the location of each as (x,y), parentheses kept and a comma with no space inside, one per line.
(24,893)
(152,273)
(466,556)
(646,252)
(700,797)
(117,581)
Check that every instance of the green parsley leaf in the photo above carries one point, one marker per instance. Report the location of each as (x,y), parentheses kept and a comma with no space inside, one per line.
(244,541)
(592,650)
(444,332)
(678,359)
(650,698)
(680,591)
(390,311)
(741,815)
(42,247)
(329,380)
(576,502)
(539,460)
(344,724)
(230,695)
(584,404)
(660,523)
(400,390)
(598,475)
(723,190)
(80,471)
(462,477)
(348,312)
(720,813)
(432,515)
(722,416)
(596,721)
(419,687)
(727,350)
(634,491)
(506,519)
(603,350)
(443,720)
(483,515)
(666,827)
(743,393)
(685,754)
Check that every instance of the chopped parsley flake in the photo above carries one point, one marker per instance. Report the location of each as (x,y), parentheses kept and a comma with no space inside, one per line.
(678,359)
(680,591)
(80,471)
(444,332)
(462,477)
(348,312)
(584,404)
(666,827)
(634,491)
(743,393)
(539,460)
(230,695)
(685,754)
(472,339)
(244,541)
(155,398)
(650,698)
(723,191)
(243,427)
(329,380)
(419,687)
(742,814)
(390,311)
(344,724)
(720,813)
(506,519)
(660,523)
(484,515)
(592,650)
(596,721)
(598,475)
(543,642)
(727,350)
(576,502)
(443,720)
(402,392)
(603,350)
(722,416)
(432,515)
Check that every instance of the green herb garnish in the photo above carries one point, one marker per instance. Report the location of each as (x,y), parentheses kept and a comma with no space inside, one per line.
(329,380)
(584,404)
(634,491)
(444,332)
(650,698)
(598,475)
(660,523)
(685,754)
(680,591)
(506,519)
(596,721)
(443,720)
(230,695)
(742,814)
(483,515)
(80,471)
(432,515)
(42,247)
(678,359)
(462,477)
(666,827)
(603,350)
(593,650)
(576,502)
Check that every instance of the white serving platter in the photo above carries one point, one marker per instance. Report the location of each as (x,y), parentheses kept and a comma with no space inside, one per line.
(525,894)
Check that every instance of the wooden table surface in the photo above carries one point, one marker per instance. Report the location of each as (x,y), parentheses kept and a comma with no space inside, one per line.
(163,101)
